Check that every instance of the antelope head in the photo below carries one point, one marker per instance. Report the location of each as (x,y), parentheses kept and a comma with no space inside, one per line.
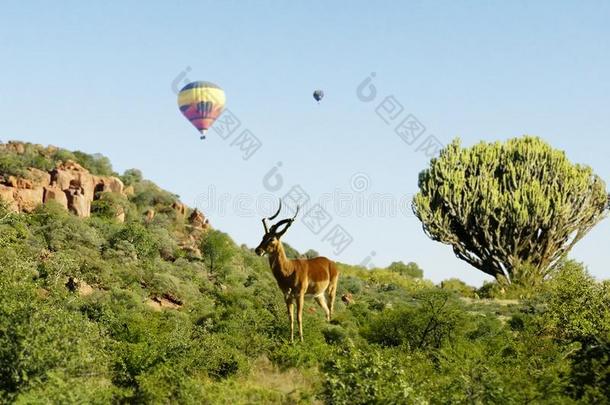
(271,238)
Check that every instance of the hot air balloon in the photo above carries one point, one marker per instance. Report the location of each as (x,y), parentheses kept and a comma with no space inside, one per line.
(318,95)
(201,103)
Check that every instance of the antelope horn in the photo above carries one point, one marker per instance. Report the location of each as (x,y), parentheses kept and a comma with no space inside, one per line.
(296,213)
(277,213)
(287,221)
(271,218)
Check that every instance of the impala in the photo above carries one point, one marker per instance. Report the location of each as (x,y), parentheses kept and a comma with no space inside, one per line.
(299,277)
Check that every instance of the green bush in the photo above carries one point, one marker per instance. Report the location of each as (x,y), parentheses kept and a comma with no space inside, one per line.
(458,287)
(578,306)
(407,270)
(137,236)
(131,177)
(373,376)
(43,346)
(109,205)
(217,249)
(433,321)
(97,164)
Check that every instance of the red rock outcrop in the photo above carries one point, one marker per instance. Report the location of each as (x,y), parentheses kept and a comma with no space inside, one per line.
(150,214)
(108,184)
(71,175)
(198,220)
(38,177)
(28,199)
(74,188)
(7,194)
(55,194)
(78,203)
(69,184)
(120,216)
(179,208)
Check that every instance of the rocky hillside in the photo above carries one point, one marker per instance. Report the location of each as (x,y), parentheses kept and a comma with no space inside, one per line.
(31,175)
(68,184)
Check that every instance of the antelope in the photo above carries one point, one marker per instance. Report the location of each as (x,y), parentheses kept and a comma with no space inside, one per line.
(299,277)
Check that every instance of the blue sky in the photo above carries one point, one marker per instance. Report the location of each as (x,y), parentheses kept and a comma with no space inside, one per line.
(97,76)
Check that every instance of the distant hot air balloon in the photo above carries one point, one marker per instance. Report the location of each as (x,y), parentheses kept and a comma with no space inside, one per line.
(201,103)
(318,95)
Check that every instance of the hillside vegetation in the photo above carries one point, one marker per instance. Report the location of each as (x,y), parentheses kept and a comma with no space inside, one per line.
(152,310)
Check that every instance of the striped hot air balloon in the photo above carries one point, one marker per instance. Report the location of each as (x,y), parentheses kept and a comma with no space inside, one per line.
(201,103)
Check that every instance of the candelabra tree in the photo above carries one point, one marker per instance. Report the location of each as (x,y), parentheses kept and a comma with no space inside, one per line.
(511,209)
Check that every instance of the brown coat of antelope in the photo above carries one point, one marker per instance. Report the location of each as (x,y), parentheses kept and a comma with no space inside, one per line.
(299,277)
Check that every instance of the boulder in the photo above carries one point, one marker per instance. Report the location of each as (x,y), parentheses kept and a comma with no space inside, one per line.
(50,150)
(150,214)
(28,199)
(15,146)
(348,299)
(78,203)
(57,195)
(108,184)
(7,195)
(179,208)
(18,182)
(120,216)
(38,177)
(72,175)
(198,220)
(164,302)
(79,286)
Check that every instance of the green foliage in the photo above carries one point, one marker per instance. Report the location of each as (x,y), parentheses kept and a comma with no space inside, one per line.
(291,252)
(578,306)
(42,343)
(57,229)
(409,270)
(590,374)
(110,205)
(148,194)
(131,177)
(39,157)
(509,207)
(370,377)
(10,164)
(458,287)
(311,253)
(217,249)
(431,323)
(96,163)
(137,238)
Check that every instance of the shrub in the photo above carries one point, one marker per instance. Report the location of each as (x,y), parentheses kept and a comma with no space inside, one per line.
(139,237)
(459,287)
(97,164)
(408,270)
(58,229)
(578,306)
(434,320)
(131,177)
(217,249)
(373,376)
(109,205)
